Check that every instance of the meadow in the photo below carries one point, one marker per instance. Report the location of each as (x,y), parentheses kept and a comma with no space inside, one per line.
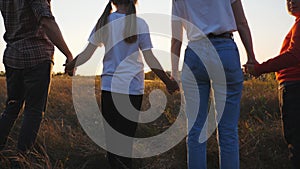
(62,143)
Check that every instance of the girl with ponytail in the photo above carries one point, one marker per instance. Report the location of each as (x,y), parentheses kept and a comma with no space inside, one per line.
(130,23)
(124,35)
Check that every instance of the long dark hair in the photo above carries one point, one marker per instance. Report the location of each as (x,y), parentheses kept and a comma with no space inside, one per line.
(130,30)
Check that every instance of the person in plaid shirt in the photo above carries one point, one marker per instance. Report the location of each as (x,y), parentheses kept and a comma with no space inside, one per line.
(31,34)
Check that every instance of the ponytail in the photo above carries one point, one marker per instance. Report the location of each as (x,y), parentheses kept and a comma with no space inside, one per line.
(130,23)
(103,19)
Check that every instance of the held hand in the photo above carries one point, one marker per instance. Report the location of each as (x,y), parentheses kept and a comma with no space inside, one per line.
(70,67)
(250,68)
(172,86)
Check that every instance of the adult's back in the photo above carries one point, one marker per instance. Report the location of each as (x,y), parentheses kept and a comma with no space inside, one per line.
(30,33)
(27,43)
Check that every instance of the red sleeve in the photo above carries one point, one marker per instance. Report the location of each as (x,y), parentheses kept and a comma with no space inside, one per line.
(288,58)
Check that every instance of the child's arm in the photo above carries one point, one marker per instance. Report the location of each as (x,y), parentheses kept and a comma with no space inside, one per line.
(155,66)
(288,58)
(83,57)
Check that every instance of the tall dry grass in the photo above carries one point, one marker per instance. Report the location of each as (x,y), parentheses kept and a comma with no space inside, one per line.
(62,143)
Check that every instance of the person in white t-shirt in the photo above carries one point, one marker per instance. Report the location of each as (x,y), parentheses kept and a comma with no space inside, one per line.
(124,35)
(211,68)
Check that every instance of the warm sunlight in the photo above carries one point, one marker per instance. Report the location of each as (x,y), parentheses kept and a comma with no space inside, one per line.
(76,19)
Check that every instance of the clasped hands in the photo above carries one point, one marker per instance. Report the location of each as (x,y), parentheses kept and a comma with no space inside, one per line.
(250,67)
(172,85)
(70,67)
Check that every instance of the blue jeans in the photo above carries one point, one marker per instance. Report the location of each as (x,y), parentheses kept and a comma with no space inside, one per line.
(29,86)
(198,84)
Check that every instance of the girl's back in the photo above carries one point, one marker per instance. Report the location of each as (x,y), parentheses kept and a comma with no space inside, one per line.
(122,61)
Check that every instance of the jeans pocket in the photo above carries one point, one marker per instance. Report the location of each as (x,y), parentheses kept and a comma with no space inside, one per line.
(231,64)
(230,60)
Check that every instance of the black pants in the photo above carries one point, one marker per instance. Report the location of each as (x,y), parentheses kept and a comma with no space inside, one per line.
(289,98)
(30,85)
(112,104)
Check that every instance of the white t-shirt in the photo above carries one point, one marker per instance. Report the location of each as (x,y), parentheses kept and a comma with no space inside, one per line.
(123,68)
(207,16)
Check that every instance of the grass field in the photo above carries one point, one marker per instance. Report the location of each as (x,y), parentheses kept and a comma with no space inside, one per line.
(62,143)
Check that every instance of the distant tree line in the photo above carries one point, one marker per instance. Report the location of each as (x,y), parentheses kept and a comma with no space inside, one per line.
(263,77)
(151,76)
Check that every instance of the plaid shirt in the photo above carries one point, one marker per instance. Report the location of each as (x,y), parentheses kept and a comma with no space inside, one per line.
(27,44)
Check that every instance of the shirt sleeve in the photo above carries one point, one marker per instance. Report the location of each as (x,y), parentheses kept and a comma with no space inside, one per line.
(144,36)
(287,58)
(177,10)
(95,39)
(41,8)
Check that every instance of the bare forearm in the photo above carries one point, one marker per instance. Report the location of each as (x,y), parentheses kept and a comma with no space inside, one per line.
(155,66)
(175,55)
(162,75)
(53,32)
(246,38)
(83,57)
(177,36)
(243,29)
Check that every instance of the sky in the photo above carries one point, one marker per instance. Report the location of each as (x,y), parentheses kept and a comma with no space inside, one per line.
(268,20)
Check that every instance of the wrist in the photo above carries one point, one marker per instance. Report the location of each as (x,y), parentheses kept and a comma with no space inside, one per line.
(175,74)
(69,59)
(69,56)
(251,58)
